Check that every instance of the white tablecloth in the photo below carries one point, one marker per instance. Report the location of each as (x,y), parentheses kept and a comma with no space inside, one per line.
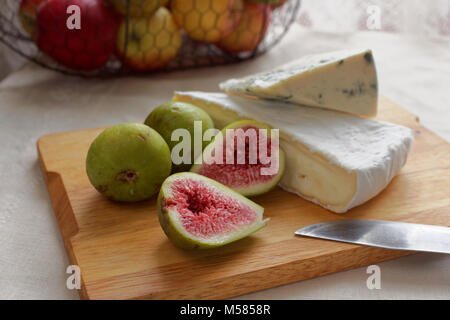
(412,71)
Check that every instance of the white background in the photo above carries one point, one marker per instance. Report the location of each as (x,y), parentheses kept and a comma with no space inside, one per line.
(414,70)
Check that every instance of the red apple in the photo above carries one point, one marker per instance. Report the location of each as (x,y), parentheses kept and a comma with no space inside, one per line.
(87,48)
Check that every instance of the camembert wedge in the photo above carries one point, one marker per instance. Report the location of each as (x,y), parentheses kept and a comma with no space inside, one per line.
(333,159)
(344,81)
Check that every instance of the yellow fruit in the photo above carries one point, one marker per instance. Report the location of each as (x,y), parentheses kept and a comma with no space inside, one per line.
(138,8)
(152,42)
(28,13)
(250,30)
(207,20)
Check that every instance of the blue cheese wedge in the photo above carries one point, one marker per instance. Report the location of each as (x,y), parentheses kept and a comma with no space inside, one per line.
(344,81)
(332,159)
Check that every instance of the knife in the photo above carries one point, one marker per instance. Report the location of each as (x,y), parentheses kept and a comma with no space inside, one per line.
(383,234)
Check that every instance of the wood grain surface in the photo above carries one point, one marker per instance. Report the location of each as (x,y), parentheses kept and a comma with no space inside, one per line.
(123,253)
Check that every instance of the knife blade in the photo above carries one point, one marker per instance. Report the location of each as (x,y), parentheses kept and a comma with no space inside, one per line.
(384,234)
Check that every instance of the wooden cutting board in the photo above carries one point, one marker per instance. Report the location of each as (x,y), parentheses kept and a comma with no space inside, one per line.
(123,253)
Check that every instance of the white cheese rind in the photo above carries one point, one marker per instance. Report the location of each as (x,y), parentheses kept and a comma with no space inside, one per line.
(375,150)
(343,80)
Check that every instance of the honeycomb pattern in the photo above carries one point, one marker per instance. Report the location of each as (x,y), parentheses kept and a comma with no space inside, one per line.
(150,42)
(88,48)
(207,20)
(215,32)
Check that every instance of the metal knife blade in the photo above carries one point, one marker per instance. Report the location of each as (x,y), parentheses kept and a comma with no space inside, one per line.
(384,234)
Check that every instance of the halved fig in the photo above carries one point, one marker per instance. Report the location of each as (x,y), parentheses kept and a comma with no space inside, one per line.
(258,161)
(196,212)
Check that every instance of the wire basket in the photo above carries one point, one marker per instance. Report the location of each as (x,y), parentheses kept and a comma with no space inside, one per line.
(176,36)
